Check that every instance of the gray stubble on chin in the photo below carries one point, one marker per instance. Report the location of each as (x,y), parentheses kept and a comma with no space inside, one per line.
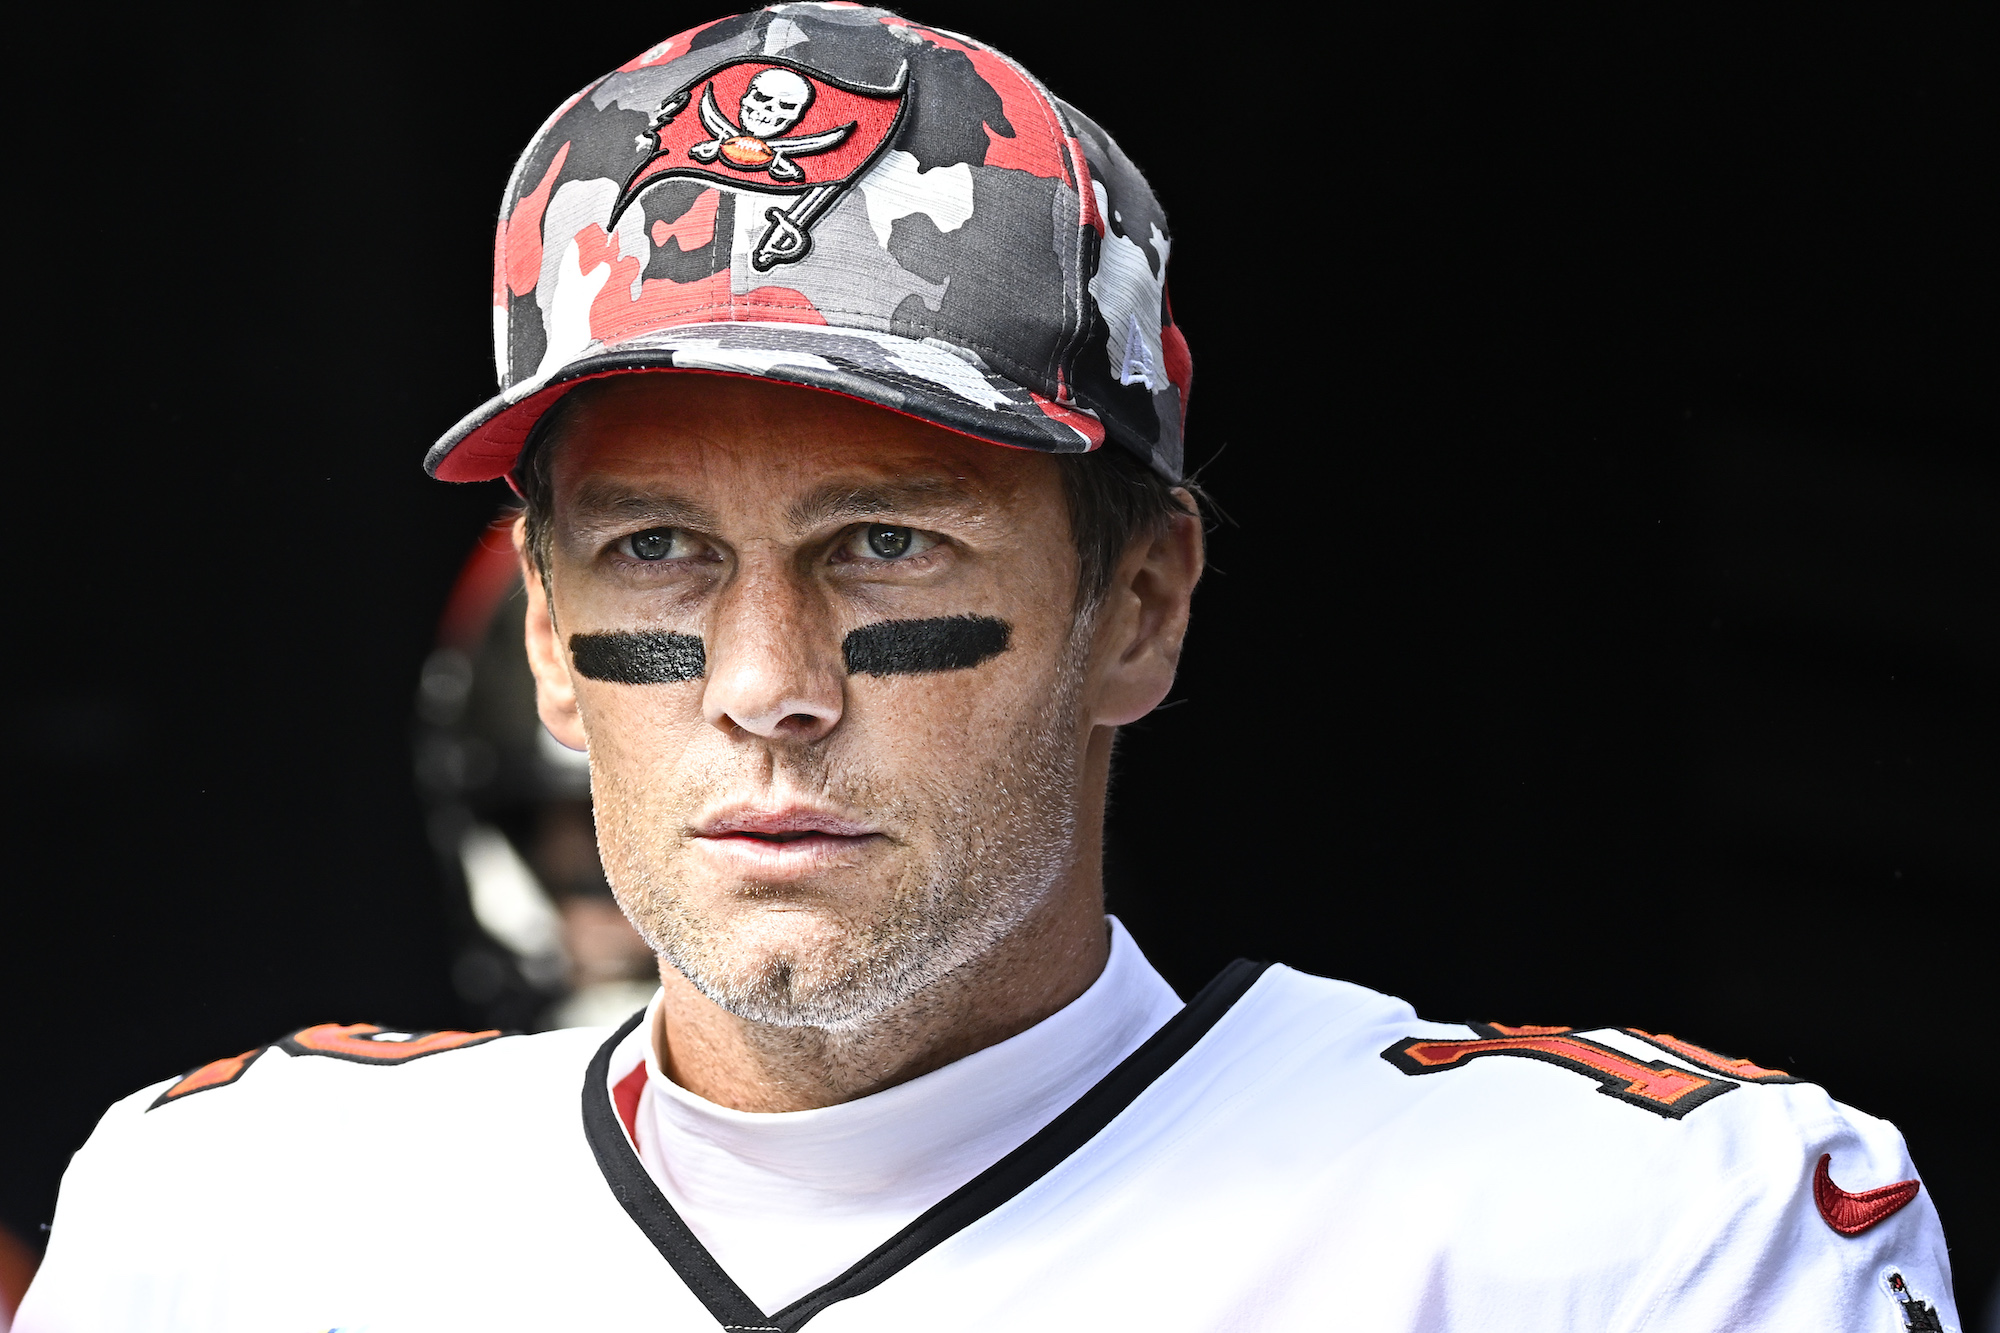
(999,841)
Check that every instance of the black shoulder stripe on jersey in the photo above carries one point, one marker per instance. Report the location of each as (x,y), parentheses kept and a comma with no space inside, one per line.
(991,1188)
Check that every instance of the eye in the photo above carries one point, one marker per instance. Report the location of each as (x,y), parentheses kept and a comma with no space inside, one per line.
(880,541)
(657,544)
(888,543)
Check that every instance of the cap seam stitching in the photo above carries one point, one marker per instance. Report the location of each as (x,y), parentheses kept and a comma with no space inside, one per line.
(1060,140)
(1051,123)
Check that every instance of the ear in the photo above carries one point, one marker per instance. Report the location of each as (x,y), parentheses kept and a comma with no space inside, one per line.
(1137,644)
(555,691)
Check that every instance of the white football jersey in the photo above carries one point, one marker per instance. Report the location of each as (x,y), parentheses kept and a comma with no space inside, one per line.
(1287,1152)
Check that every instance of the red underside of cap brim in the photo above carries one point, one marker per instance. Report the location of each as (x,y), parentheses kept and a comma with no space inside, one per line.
(486,445)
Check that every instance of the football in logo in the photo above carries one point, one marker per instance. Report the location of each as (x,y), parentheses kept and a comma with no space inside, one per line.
(771,126)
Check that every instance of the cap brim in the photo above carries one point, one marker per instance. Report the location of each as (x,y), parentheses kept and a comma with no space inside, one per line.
(927,380)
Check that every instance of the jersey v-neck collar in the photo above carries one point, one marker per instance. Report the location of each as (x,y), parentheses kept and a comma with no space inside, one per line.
(606,1118)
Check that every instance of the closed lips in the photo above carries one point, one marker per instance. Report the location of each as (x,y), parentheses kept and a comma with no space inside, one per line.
(783,827)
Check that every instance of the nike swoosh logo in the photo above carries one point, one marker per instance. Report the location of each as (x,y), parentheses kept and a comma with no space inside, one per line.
(1851,1214)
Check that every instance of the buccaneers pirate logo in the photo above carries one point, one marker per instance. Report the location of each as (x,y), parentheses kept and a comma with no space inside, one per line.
(773,103)
(795,132)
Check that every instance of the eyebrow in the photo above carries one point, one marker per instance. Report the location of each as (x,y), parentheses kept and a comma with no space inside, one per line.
(601,506)
(848,500)
(604,508)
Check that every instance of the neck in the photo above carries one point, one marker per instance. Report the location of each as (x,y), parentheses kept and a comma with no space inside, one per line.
(1040,967)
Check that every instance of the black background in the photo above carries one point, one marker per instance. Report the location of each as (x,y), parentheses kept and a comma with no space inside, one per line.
(1602,398)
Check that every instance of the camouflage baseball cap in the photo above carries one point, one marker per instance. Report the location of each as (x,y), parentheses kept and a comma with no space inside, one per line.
(833,196)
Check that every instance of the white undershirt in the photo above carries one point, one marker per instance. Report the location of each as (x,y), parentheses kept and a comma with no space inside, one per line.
(787,1201)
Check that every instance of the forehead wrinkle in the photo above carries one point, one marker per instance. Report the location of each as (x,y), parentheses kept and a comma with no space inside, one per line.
(837,501)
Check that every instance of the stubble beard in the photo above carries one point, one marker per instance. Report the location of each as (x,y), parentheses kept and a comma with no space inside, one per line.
(997,849)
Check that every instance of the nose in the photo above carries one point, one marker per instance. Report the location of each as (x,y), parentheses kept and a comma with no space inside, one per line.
(773,668)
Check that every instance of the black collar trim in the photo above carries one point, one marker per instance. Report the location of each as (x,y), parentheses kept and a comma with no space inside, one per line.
(1053,1144)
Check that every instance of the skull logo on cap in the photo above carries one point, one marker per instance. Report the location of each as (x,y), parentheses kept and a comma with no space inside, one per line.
(774,101)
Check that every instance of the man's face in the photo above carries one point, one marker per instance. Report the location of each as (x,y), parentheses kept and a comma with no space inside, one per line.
(809,846)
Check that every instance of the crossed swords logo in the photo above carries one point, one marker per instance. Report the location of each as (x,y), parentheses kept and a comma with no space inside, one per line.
(775,100)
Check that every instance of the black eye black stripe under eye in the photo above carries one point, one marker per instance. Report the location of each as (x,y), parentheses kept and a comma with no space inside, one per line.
(906,647)
(886,648)
(638,659)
